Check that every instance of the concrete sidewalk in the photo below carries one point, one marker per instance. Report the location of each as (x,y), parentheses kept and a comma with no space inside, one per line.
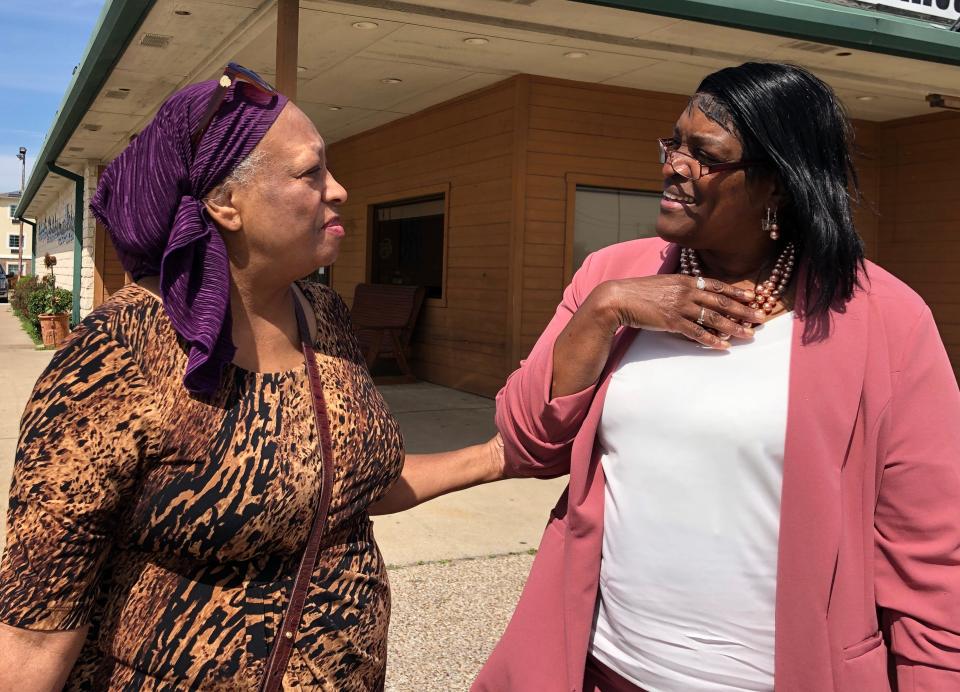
(20,366)
(495,519)
(477,546)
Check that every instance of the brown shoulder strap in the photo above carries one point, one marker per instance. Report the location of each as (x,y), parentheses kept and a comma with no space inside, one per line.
(289,626)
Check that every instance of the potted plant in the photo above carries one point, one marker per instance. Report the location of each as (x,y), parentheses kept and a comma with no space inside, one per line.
(51,306)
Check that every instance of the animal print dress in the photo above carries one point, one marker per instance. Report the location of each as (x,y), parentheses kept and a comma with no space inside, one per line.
(173,525)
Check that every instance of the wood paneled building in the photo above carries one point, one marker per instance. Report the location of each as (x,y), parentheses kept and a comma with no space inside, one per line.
(510,159)
(487,147)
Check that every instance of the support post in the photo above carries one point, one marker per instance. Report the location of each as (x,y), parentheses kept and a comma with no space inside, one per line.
(288,43)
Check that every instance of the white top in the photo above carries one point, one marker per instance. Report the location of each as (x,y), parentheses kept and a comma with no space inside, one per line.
(693,442)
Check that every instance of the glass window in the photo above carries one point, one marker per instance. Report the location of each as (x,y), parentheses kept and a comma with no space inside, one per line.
(13,268)
(13,208)
(14,241)
(408,244)
(605,216)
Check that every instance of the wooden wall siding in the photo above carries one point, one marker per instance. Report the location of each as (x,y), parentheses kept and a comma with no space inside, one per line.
(511,154)
(596,134)
(919,228)
(467,144)
(108,273)
(109,276)
(867,214)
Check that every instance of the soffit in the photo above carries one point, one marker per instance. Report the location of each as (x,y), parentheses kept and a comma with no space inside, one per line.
(422,43)
(145,75)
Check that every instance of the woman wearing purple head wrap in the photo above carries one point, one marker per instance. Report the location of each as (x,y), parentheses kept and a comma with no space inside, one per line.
(205,425)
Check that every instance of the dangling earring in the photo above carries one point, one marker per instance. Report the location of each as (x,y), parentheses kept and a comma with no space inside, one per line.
(770,225)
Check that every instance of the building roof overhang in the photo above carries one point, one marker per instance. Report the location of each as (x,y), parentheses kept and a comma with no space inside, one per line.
(825,22)
(655,45)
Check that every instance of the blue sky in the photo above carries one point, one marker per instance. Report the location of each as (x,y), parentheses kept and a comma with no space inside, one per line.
(42,42)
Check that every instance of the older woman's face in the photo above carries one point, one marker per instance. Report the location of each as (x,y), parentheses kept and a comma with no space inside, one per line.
(719,211)
(290,211)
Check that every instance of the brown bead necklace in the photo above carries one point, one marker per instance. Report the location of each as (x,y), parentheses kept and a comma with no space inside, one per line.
(767,292)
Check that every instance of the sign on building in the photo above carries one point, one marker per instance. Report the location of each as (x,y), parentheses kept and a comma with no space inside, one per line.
(948,9)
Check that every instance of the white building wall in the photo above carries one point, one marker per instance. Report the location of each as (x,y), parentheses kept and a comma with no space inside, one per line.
(8,255)
(87,268)
(55,236)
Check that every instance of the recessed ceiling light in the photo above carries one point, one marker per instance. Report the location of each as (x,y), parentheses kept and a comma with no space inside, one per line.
(575,54)
(364,25)
(477,41)
(334,108)
(182,13)
(843,54)
(866,98)
(301,68)
(391,80)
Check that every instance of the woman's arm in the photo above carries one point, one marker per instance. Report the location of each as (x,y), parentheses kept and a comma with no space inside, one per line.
(37,661)
(77,462)
(426,476)
(917,516)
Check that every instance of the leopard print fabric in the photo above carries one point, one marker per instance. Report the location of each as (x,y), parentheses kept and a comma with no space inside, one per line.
(173,525)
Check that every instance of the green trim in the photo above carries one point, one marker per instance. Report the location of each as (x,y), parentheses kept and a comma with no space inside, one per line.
(77,235)
(116,27)
(812,20)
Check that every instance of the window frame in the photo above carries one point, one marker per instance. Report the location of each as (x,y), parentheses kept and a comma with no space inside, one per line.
(399,197)
(574,180)
(10,241)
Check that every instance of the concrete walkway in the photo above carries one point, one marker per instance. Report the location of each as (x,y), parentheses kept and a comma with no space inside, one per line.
(495,519)
(20,366)
(449,612)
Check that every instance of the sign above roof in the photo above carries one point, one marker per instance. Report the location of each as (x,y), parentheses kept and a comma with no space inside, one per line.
(948,9)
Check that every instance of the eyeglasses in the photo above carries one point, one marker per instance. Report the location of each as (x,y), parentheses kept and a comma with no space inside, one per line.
(689,167)
(231,73)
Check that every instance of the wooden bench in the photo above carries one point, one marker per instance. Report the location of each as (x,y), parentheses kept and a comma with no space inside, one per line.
(383,317)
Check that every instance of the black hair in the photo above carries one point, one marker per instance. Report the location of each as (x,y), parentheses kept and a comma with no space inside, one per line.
(793,122)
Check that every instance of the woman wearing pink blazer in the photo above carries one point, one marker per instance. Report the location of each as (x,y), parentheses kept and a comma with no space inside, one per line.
(762,433)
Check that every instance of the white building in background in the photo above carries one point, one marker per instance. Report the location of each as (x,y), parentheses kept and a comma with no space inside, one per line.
(11,239)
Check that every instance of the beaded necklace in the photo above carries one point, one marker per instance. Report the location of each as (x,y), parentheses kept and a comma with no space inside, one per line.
(768,292)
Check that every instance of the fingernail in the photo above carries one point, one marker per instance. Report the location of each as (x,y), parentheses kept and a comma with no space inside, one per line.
(760,313)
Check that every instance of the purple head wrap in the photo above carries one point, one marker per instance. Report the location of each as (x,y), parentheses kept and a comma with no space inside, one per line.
(150,201)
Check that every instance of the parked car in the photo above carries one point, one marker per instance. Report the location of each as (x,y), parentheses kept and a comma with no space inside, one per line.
(4,288)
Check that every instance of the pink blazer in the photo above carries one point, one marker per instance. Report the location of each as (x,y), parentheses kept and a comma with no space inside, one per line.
(869,557)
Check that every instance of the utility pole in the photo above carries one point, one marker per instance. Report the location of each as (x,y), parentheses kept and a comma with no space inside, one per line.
(22,155)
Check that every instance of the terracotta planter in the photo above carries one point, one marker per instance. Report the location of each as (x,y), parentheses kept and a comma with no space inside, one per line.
(54,328)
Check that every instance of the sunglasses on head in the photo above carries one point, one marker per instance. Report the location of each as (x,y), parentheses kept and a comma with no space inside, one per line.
(232,74)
